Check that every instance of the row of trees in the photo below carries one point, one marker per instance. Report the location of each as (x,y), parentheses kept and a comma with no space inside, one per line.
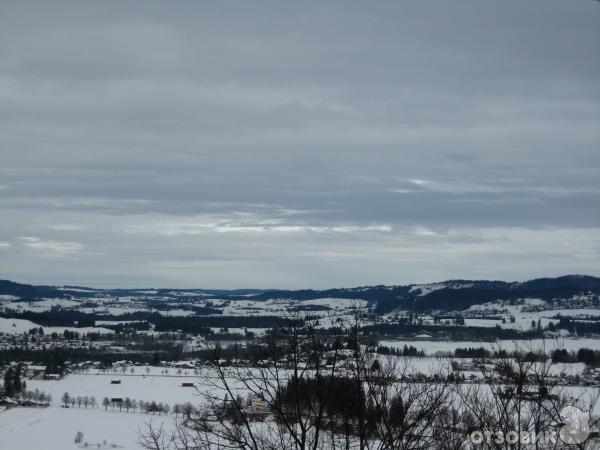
(124,370)
(405,351)
(127,403)
(347,398)
(37,396)
(86,401)
(131,404)
(25,395)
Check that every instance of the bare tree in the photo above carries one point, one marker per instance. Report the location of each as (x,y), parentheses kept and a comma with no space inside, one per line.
(304,389)
(153,438)
(321,391)
(519,395)
(291,356)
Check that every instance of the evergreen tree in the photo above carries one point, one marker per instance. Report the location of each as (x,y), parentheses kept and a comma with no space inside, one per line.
(8,382)
(18,386)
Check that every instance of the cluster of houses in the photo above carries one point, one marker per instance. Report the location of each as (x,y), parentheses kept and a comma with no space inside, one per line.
(123,366)
(40,372)
(37,342)
(25,403)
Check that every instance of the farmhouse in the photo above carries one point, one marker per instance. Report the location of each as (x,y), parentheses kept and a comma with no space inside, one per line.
(423,336)
(259,405)
(52,376)
(184,365)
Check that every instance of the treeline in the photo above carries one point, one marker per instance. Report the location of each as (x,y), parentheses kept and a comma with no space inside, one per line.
(57,357)
(461,299)
(28,291)
(128,404)
(66,334)
(472,352)
(483,353)
(455,333)
(583,355)
(369,293)
(578,326)
(58,317)
(404,351)
(199,324)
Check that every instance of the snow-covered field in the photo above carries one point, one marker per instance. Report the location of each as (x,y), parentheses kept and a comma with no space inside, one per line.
(159,388)
(281,306)
(54,428)
(523,314)
(131,304)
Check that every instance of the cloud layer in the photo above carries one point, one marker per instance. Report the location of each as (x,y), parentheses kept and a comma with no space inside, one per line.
(298,145)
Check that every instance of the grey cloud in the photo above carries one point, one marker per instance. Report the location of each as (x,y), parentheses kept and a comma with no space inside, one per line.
(56,248)
(338,143)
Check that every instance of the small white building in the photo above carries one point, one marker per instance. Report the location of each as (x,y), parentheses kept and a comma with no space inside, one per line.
(259,405)
(423,336)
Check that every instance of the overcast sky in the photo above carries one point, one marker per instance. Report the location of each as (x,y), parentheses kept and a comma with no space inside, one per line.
(298,144)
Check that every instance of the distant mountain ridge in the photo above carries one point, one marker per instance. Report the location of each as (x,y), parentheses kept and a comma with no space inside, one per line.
(446,295)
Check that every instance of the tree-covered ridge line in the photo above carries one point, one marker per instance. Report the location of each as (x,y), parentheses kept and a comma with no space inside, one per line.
(447,295)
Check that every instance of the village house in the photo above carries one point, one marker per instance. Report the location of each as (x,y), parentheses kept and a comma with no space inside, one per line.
(259,405)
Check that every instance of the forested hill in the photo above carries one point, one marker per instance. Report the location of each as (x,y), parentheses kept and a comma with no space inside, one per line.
(27,290)
(447,295)
(452,294)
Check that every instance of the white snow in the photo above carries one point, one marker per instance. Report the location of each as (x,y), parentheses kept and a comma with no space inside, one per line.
(160,388)
(54,428)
